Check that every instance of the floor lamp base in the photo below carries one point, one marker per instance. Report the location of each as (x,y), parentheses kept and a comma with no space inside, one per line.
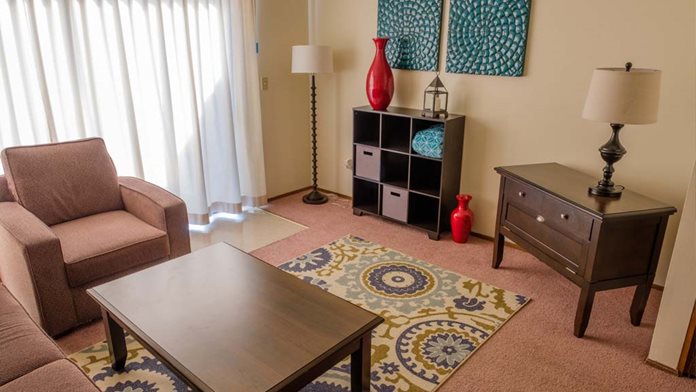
(315,197)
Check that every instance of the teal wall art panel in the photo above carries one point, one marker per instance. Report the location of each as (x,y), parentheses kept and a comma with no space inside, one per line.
(413,29)
(487,37)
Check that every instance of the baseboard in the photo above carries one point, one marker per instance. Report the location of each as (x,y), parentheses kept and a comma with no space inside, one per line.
(662,367)
(342,196)
(489,238)
(286,194)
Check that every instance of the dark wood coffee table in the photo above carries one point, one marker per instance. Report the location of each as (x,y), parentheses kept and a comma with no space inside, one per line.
(223,320)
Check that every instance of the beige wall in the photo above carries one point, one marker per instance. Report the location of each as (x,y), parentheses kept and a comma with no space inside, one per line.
(285,105)
(680,291)
(535,118)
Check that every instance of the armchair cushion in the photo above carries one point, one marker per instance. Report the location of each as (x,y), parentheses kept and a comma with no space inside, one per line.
(23,346)
(63,181)
(58,376)
(105,244)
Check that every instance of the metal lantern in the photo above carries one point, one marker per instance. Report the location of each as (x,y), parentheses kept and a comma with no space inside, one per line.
(433,96)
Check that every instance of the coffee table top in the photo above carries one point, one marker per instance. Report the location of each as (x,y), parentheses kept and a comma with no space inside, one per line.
(228,321)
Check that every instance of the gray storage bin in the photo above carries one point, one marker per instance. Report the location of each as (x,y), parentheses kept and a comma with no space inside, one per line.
(367,162)
(395,203)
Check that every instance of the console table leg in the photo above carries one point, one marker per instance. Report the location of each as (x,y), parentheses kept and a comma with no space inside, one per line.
(582,314)
(116,338)
(640,299)
(498,249)
(360,365)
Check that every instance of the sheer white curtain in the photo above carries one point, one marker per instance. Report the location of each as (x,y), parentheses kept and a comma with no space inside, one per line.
(171,85)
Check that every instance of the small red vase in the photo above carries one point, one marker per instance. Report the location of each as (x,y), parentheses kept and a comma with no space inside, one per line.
(462,218)
(380,81)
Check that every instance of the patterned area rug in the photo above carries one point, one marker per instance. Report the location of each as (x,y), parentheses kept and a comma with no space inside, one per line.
(434,321)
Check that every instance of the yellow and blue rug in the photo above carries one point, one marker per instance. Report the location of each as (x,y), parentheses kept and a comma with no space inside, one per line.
(434,321)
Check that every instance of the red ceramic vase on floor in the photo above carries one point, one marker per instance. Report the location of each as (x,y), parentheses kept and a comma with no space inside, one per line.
(461,219)
(380,81)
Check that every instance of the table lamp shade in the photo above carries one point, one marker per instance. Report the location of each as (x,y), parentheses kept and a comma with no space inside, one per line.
(312,59)
(623,97)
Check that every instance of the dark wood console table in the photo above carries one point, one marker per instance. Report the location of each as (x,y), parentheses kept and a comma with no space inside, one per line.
(598,243)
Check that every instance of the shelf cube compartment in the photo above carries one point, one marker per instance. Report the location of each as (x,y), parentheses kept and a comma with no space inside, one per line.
(426,175)
(395,202)
(366,128)
(366,195)
(420,125)
(395,169)
(423,211)
(396,133)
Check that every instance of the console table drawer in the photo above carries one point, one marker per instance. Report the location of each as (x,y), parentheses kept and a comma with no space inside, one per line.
(569,252)
(523,195)
(555,212)
(566,218)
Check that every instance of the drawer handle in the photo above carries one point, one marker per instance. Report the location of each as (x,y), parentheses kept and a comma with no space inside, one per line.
(394,194)
(367,153)
(570,270)
(565,216)
(521,194)
(540,219)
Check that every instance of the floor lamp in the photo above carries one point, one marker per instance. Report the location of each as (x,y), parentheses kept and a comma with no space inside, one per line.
(313,59)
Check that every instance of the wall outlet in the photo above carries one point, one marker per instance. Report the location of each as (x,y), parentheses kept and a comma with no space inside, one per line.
(349,164)
(264,83)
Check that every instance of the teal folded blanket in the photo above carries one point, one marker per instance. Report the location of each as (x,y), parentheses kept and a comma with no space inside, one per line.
(428,142)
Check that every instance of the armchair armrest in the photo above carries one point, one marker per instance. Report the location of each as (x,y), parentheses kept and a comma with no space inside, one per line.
(160,209)
(32,268)
(5,194)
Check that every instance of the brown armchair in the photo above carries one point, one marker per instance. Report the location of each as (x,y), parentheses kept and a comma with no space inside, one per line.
(67,223)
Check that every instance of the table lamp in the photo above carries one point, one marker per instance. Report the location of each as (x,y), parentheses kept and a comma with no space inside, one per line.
(313,59)
(620,96)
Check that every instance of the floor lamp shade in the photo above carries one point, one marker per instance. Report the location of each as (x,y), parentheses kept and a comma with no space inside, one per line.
(312,59)
(619,96)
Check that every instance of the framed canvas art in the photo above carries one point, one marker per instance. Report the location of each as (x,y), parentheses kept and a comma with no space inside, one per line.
(487,37)
(413,29)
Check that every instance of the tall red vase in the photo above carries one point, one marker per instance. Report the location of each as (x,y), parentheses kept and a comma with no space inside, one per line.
(380,81)
(462,218)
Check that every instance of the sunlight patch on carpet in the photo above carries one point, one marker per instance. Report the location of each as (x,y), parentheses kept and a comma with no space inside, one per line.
(249,231)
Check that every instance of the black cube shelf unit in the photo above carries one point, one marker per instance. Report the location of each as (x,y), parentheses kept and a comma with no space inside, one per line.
(390,179)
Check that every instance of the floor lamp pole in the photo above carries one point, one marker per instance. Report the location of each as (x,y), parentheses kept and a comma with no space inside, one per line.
(314,197)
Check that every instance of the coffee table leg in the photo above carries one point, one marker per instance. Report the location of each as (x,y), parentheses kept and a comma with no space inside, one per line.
(116,338)
(360,365)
